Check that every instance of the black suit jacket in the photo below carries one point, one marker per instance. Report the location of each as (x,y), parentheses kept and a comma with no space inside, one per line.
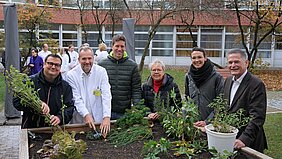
(251,96)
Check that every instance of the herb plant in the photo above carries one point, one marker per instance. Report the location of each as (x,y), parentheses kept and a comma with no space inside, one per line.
(224,121)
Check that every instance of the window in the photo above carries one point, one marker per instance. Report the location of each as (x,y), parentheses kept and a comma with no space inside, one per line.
(211,41)
(184,41)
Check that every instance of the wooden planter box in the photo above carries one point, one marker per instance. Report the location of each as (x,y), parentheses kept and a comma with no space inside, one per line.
(24,146)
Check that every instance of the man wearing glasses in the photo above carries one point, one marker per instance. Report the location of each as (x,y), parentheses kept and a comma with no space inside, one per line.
(53,91)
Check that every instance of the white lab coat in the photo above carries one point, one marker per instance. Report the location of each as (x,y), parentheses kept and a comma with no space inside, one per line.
(86,100)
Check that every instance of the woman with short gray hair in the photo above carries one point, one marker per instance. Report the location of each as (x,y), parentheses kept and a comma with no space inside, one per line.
(159,84)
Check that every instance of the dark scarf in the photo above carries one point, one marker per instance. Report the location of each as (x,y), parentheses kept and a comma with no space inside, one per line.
(201,75)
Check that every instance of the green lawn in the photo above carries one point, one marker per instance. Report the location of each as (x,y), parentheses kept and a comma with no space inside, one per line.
(273,130)
(178,76)
(2,91)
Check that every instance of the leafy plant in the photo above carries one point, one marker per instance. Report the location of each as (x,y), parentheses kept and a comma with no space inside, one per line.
(133,116)
(224,121)
(131,127)
(179,124)
(152,148)
(66,146)
(21,86)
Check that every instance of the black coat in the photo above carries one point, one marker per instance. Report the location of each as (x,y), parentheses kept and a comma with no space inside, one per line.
(251,96)
(55,90)
(125,82)
(167,86)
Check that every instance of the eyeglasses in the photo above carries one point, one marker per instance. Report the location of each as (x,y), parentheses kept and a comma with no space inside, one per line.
(53,64)
(156,70)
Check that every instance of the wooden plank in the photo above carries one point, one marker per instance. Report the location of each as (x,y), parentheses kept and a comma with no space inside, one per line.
(23,145)
(253,154)
(68,127)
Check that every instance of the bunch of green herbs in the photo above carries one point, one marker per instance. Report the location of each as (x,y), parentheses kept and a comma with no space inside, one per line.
(224,121)
(131,127)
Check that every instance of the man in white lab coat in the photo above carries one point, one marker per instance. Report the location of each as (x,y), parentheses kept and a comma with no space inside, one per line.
(91,92)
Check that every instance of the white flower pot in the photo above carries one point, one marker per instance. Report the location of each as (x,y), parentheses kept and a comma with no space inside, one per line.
(220,141)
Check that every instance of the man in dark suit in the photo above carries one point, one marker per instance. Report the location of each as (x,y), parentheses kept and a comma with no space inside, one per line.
(244,90)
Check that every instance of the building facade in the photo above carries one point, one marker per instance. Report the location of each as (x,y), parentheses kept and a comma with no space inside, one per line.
(172,42)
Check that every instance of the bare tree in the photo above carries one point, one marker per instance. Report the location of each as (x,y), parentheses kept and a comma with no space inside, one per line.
(264,19)
(157,12)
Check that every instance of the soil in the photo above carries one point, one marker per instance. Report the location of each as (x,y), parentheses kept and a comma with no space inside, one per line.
(102,149)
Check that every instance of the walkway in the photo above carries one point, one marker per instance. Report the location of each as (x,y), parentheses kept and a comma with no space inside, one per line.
(9,137)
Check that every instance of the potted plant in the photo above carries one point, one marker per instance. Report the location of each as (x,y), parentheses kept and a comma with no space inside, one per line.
(224,126)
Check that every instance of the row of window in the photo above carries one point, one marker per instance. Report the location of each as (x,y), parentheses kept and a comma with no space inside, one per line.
(168,41)
(216,40)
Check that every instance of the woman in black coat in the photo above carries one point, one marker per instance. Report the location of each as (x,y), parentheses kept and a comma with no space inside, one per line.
(159,84)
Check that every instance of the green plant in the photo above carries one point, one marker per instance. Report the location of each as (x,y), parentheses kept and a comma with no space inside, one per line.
(131,127)
(21,86)
(178,123)
(67,147)
(133,116)
(224,121)
(152,148)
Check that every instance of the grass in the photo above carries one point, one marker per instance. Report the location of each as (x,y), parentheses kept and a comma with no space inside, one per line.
(273,130)
(2,91)
(177,74)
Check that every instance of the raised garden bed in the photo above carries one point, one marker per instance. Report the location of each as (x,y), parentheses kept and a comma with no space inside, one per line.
(103,149)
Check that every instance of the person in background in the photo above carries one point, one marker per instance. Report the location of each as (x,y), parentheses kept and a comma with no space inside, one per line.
(202,84)
(246,91)
(35,63)
(65,62)
(91,92)
(101,53)
(124,77)
(53,91)
(44,52)
(73,56)
(161,84)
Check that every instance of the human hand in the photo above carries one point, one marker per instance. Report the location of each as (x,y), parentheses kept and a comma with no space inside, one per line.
(238,144)
(105,126)
(88,119)
(200,124)
(55,120)
(153,116)
(45,108)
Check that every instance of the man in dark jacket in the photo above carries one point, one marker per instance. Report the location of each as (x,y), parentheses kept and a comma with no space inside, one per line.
(124,78)
(243,90)
(52,90)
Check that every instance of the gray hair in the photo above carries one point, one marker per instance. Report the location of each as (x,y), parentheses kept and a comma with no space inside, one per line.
(157,61)
(85,48)
(238,51)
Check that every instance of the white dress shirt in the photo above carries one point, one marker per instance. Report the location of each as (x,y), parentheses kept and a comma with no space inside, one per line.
(91,93)
(43,54)
(235,86)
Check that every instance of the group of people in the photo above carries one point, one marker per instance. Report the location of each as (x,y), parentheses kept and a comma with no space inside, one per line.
(103,91)
(69,59)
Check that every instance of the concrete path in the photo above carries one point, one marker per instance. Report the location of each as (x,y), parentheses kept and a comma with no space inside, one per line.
(9,137)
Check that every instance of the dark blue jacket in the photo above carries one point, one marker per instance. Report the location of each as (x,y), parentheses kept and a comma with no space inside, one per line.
(52,91)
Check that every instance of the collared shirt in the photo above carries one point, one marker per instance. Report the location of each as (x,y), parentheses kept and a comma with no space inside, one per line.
(43,54)
(235,86)
(91,93)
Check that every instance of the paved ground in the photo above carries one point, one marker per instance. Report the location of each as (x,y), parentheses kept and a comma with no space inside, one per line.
(10,129)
